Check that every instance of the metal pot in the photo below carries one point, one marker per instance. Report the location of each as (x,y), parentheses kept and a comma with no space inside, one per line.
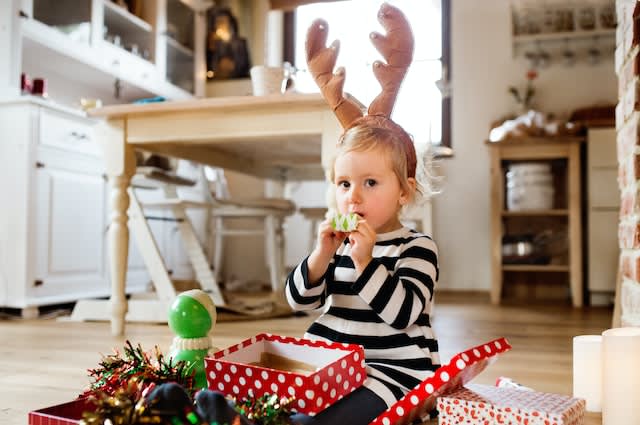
(518,248)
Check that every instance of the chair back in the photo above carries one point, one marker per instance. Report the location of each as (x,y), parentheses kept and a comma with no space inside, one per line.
(216,181)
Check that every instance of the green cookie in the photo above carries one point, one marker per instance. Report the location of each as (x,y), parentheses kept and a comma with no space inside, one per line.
(345,222)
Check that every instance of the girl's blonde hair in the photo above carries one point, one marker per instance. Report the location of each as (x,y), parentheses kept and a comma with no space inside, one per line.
(393,141)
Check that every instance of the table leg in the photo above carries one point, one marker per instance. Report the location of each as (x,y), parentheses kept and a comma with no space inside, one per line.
(120,164)
(118,251)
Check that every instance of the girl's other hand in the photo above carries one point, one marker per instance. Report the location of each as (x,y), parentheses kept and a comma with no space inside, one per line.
(329,239)
(362,240)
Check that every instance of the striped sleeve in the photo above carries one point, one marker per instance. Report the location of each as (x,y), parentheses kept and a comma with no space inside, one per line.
(399,296)
(301,295)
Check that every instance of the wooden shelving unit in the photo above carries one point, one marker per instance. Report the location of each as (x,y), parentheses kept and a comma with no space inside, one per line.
(564,154)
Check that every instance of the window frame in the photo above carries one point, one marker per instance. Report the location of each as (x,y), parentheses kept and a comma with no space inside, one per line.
(444,148)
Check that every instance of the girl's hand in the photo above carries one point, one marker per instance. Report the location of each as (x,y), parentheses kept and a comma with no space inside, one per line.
(328,242)
(362,241)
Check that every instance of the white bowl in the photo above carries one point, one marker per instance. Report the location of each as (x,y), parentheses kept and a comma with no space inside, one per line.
(530,198)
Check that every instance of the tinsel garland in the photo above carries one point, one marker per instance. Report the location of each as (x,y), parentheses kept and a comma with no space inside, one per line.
(125,407)
(129,406)
(266,410)
(123,383)
(116,371)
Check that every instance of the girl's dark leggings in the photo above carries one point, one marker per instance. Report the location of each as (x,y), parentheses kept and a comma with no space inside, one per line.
(358,408)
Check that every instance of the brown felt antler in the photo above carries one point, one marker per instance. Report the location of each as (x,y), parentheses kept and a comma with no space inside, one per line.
(321,61)
(396,47)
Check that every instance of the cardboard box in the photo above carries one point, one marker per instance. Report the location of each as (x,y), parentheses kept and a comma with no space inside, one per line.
(61,414)
(316,374)
(481,404)
(462,368)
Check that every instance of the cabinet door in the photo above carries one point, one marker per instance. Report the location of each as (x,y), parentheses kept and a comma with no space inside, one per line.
(603,188)
(603,250)
(70,229)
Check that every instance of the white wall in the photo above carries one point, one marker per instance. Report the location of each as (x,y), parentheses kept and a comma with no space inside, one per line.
(483,68)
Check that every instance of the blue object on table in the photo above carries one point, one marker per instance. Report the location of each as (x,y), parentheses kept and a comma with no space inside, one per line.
(151,100)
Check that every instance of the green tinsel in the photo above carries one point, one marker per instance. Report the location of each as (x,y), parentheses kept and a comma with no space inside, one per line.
(116,371)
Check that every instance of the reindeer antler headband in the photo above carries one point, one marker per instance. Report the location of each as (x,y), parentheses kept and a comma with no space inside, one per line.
(397,49)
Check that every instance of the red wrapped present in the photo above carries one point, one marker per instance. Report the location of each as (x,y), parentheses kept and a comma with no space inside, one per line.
(316,374)
(482,404)
(462,368)
(62,414)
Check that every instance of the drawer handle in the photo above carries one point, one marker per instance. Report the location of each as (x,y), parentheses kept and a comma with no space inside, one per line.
(39,164)
(79,136)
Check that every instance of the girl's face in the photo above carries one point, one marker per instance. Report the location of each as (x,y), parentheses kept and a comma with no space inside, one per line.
(367,185)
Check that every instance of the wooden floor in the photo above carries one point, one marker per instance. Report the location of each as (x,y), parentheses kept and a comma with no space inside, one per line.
(43,362)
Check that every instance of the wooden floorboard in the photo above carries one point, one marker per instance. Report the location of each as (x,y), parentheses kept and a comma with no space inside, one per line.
(43,362)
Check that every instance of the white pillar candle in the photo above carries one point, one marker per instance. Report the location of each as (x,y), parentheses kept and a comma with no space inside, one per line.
(587,370)
(621,376)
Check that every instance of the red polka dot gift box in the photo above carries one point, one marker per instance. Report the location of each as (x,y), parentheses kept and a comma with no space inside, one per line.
(482,404)
(462,368)
(316,374)
(62,414)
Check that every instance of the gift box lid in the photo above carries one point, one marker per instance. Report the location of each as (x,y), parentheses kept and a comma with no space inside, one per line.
(62,414)
(511,405)
(462,368)
(332,370)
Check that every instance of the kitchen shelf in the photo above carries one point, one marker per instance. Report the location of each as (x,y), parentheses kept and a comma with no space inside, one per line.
(535,268)
(565,35)
(545,31)
(179,48)
(180,63)
(120,20)
(536,213)
(563,219)
(112,54)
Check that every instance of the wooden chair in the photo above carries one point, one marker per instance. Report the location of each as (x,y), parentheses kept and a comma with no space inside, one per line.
(271,211)
(154,309)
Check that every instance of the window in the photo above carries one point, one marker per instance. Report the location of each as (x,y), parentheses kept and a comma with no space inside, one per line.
(420,108)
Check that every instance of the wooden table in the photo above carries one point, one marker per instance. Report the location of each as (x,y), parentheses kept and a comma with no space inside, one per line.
(276,137)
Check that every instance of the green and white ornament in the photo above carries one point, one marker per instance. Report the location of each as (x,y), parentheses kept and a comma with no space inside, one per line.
(345,222)
(191,317)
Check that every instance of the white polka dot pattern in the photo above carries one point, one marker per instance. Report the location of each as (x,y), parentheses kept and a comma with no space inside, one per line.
(461,369)
(313,392)
(492,405)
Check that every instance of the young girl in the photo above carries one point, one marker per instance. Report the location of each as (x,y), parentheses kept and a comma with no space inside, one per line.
(377,281)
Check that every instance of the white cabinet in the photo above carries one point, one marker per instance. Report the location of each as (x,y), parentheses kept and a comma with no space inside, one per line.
(53,198)
(96,49)
(53,219)
(603,207)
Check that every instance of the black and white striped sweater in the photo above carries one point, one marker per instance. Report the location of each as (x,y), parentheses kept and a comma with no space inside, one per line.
(386,309)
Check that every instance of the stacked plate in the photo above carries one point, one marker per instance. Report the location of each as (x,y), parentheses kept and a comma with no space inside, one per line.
(529,186)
